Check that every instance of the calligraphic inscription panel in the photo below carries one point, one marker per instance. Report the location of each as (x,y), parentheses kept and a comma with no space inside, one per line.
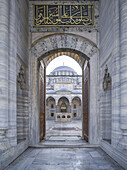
(64,15)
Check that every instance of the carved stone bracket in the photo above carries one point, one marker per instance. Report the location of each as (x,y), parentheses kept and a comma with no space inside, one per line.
(21,78)
(106,80)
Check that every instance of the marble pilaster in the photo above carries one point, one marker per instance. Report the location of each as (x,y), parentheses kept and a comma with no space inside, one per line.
(12,74)
(4,16)
(123,58)
(116,76)
(123,70)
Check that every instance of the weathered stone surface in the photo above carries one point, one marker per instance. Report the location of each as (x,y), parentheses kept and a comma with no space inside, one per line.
(64,158)
(4,33)
(108,109)
(72,42)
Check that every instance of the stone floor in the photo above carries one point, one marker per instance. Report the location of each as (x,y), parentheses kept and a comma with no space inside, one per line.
(69,157)
(63,133)
(64,159)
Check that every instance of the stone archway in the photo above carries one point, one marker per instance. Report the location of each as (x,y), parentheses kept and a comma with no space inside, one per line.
(76,107)
(54,45)
(63,105)
(47,45)
(50,107)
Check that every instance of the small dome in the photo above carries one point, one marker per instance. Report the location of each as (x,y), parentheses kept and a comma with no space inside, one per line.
(51,92)
(63,89)
(75,91)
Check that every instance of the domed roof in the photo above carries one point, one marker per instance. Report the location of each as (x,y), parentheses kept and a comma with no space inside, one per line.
(75,91)
(63,68)
(51,91)
(63,89)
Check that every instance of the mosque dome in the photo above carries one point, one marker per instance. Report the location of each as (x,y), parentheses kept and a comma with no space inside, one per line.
(63,70)
(63,89)
(51,92)
(75,91)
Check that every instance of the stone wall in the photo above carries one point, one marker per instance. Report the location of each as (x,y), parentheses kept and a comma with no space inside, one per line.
(112,102)
(106,49)
(14,44)
(22,102)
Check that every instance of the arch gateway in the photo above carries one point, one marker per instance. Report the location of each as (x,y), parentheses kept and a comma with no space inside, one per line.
(27,46)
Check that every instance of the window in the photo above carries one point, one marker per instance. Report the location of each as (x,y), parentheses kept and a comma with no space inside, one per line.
(58,117)
(52,106)
(68,116)
(63,116)
(52,114)
(74,114)
(74,106)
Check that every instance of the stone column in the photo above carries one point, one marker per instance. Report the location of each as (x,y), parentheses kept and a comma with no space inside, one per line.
(56,108)
(4,14)
(123,70)
(70,108)
(57,111)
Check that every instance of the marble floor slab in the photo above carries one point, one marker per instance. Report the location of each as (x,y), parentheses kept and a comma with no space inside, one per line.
(64,159)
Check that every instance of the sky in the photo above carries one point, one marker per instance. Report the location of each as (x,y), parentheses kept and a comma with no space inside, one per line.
(66,61)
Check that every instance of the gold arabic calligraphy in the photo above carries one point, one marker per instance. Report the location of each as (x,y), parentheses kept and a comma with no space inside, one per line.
(64,15)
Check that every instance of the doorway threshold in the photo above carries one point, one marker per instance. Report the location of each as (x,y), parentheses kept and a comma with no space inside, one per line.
(64,146)
(64,141)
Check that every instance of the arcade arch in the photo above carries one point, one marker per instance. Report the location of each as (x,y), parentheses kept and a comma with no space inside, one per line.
(50,107)
(76,108)
(83,51)
(63,105)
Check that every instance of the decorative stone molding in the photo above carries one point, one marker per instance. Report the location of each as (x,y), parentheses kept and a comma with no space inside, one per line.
(70,42)
(63,40)
(21,78)
(92,51)
(106,79)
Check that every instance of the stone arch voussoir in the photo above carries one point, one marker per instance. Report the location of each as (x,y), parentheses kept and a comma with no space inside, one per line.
(64,41)
(65,97)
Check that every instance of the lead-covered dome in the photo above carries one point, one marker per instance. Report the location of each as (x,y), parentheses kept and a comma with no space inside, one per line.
(75,91)
(63,89)
(51,92)
(63,70)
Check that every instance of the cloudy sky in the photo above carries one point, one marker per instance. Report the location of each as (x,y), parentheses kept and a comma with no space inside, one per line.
(66,61)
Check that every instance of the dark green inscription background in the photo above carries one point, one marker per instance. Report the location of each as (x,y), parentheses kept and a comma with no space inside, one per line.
(64,15)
